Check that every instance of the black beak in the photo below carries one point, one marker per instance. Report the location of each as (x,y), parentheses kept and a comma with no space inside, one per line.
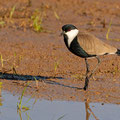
(62,33)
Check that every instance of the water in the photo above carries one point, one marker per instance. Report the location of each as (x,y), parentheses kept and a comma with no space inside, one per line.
(53,110)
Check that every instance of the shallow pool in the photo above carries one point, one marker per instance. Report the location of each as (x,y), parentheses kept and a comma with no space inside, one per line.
(55,110)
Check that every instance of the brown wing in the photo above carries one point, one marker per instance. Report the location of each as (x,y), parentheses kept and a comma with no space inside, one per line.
(93,45)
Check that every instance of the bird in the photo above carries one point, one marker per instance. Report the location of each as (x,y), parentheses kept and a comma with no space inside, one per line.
(86,45)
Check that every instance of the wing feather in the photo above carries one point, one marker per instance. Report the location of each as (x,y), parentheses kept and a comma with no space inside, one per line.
(94,46)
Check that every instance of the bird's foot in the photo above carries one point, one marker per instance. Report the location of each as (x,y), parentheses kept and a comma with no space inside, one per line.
(85,88)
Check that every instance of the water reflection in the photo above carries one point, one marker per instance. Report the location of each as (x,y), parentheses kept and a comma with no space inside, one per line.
(53,110)
(19,112)
(25,109)
(89,111)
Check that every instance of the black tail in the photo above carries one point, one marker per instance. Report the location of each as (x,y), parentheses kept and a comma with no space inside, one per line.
(118,52)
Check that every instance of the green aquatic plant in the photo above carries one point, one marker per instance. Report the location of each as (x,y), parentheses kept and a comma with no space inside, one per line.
(23,108)
(77,76)
(36,81)
(28,116)
(2,23)
(108,31)
(1,58)
(61,117)
(0,84)
(12,11)
(56,15)
(56,65)
(37,24)
(115,70)
(14,70)
(37,19)
(34,103)
(19,105)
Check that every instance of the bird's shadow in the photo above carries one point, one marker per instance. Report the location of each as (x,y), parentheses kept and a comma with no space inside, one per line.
(48,80)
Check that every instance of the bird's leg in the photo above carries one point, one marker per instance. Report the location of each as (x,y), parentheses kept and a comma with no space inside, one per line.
(86,83)
(87,71)
(95,67)
(86,77)
(87,67)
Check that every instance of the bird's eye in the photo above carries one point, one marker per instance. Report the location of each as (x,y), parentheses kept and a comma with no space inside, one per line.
(69,30)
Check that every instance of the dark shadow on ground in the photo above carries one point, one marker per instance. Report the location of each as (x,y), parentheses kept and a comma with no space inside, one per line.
(48,80)
(10,76)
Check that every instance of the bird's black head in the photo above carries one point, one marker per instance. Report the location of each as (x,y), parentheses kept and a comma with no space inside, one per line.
(69,32)
(68,27)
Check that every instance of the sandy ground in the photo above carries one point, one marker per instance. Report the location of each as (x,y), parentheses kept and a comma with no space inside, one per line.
(27,55)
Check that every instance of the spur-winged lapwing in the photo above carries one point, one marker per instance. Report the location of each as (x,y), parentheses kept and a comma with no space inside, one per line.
(86,45)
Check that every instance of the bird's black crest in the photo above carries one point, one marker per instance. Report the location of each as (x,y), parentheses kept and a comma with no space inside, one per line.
(68,27)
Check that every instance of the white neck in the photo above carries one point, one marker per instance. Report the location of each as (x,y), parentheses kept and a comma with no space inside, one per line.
(71,35)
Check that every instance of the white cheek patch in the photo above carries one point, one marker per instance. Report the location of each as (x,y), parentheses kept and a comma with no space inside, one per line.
(71,35)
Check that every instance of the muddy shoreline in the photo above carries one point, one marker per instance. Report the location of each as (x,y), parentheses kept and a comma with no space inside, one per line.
(28,54)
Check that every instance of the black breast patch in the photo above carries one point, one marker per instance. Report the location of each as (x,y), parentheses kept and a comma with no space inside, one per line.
(75,48)
(78,50)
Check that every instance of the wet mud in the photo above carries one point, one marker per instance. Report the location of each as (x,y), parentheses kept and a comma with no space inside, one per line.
(42,59)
